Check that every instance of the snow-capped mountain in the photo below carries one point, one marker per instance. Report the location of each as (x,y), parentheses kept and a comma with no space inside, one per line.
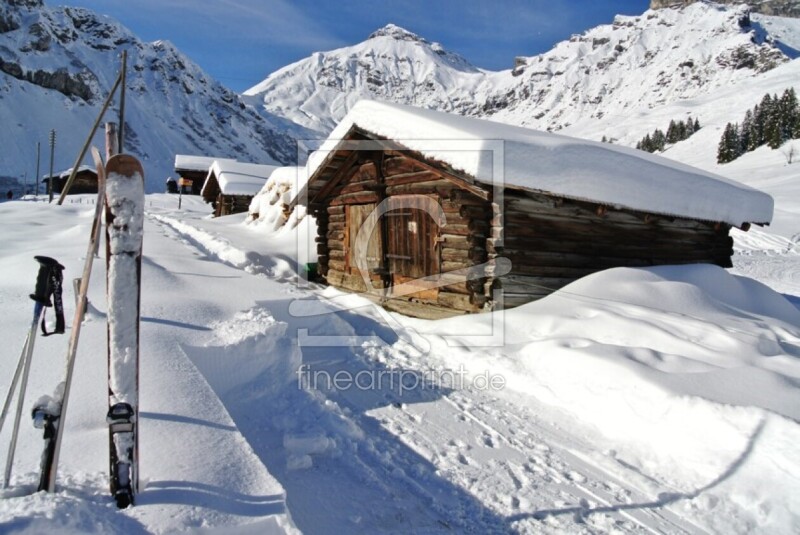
(392,64)
(782,8)
(635,63)
(57,66)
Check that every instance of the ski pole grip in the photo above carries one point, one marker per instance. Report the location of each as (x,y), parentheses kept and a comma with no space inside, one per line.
(43,286)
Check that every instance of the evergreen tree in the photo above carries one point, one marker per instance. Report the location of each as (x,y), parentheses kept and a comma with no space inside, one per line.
(672,132)
(646,143)
(696,125)
(755,138)
(788,114)
(796,127)
(659,140)
(689,127)
(681,131)
(745,131)
(770,110)
(729,145)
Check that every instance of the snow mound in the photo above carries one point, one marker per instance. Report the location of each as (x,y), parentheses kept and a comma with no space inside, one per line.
(687,330)
(696,291)
(270,205)
(691,373)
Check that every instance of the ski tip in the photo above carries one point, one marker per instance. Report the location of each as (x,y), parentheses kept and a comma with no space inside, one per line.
(124,164)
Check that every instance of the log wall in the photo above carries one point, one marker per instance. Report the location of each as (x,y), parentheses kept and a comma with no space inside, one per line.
(552,242)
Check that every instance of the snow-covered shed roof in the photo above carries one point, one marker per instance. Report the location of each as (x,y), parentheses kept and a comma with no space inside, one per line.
(184,162)
(67,172)
(81,169)
(237,178)
(544,162)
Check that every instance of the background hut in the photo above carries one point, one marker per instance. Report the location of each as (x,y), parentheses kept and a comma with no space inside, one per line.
(85,181)
(195,168)
(519,210)
(230,186)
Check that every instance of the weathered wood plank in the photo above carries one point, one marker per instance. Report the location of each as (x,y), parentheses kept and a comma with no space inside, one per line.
(355,187)
(421,310)
(418,177)
(456,301)
(401,164)
(356,198)
(440,190)
(334,209)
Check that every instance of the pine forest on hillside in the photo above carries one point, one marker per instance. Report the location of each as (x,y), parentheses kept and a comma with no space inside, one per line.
(772,122)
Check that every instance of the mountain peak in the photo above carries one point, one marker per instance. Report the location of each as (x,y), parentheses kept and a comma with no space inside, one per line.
(396,32)
(783,8)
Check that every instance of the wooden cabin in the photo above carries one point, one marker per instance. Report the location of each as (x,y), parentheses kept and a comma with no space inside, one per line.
(194,169)
(230,186)
(85,181)
(461,208)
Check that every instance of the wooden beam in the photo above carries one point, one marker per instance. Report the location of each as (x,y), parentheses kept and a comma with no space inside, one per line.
(336,178)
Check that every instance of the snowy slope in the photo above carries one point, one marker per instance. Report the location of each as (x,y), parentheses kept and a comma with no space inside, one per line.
(636,62)
(57,66)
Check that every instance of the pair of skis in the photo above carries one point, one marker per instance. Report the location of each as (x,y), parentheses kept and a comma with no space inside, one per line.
(121,192)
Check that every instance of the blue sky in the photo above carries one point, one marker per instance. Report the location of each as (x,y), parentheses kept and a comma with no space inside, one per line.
(240,42)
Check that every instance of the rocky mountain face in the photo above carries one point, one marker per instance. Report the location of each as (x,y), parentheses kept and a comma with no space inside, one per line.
(392,64)
(781,8)
(634,63)
(57,66)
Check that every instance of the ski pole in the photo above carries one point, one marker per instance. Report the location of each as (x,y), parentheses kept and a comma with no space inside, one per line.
(13,387)
(48,284)
(28,357)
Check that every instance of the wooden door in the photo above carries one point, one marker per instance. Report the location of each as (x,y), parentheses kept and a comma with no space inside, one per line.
(356,217)
(412,248)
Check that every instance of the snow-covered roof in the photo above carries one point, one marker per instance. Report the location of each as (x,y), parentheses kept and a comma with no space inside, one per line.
(237,178)
(545,162)
(186,162)
(82,168)
(67,172)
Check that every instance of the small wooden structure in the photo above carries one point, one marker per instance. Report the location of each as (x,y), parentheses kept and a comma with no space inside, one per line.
(431,230)
(230,186)
(195,169)
(85,181)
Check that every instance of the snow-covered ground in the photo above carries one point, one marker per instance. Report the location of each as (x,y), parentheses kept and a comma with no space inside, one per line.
(662,400)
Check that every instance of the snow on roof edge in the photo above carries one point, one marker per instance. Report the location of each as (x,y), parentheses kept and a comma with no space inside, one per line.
(238,178)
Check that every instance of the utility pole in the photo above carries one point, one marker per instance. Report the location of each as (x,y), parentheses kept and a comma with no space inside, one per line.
(123,77)
(52,152)
(37,178)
